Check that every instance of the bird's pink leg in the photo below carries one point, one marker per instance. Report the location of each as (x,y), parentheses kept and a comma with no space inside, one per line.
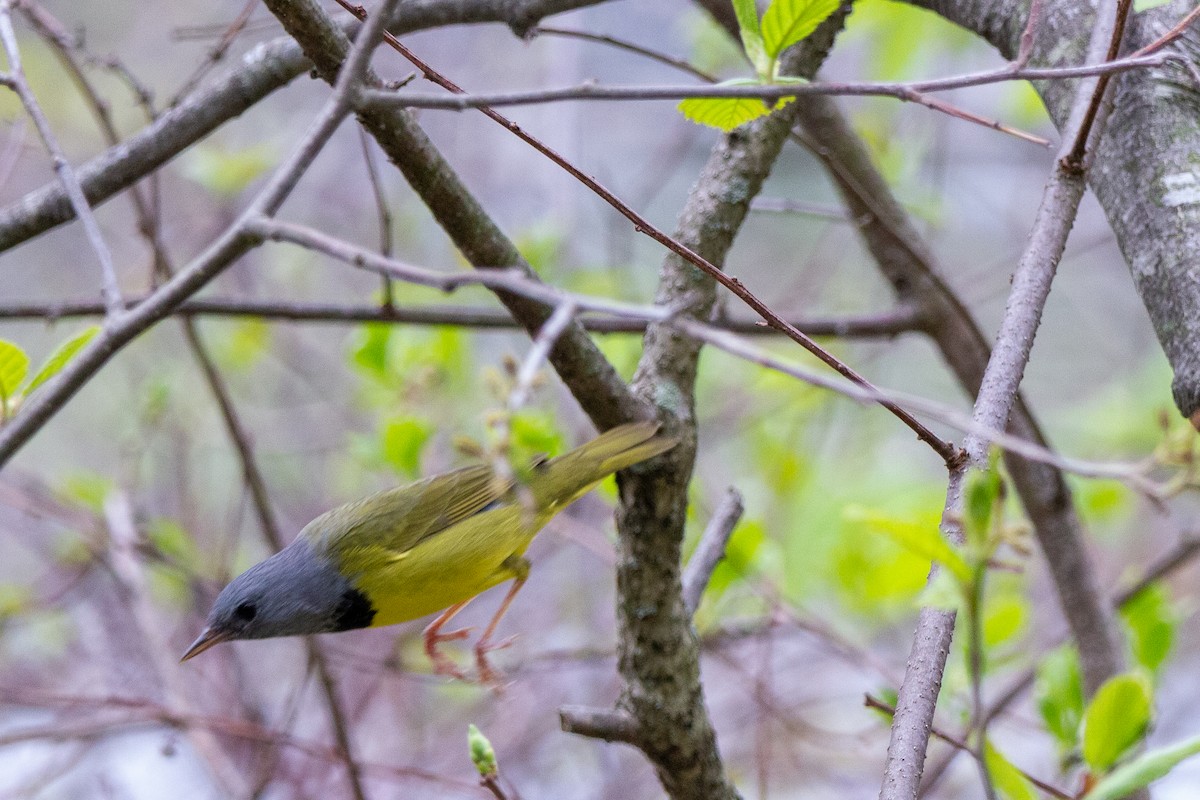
(442,665)
(487,675)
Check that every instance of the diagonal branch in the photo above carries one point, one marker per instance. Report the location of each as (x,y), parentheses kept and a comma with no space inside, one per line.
(998,390)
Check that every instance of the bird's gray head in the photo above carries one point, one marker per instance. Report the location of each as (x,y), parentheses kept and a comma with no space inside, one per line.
(293,592)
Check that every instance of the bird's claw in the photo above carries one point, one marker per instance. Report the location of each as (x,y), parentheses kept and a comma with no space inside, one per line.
(488,676)
(442,663)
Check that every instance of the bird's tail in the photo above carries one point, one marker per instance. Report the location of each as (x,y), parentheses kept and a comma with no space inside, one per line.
(562,480)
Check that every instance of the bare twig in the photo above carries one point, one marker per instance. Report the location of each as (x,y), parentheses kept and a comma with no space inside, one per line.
(15,79)
(217,52)
(711,548)
(681,64)
(1027,37)
(128,570)
(883,324)
(947,451)
(599,723)
(462,101)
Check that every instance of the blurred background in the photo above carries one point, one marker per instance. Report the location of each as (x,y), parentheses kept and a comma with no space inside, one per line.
(124,516)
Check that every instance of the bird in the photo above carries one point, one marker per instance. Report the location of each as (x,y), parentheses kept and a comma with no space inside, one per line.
(408,552)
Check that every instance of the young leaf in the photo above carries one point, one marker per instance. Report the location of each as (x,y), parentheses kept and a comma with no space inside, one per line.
(1004,618)
(483,756)
(59,358)
(1060,695)
(752,38)
(725,113)
(788,21)
(982,494)
(14,365)
(924,540)
(1116,719)
(1151,622)
(402,440)
(1142,771)
(1009,781)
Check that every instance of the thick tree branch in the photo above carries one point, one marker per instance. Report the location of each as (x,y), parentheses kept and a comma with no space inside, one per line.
(658,656)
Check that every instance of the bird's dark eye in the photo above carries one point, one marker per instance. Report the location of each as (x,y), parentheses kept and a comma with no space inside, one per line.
(245,611)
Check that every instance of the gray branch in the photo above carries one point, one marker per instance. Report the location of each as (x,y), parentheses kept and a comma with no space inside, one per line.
(711,548)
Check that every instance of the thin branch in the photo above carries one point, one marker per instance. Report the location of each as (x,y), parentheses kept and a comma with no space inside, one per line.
(711,548)
(681,64)
(383,213)
(947,451)
(217,52)
(15,79)
(129,573)
(883,324)
(1178,557)
(1028,36)
(462,101)
(1074,159)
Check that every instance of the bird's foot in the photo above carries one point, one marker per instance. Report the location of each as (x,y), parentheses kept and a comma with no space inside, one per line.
(488,676)
(442,663)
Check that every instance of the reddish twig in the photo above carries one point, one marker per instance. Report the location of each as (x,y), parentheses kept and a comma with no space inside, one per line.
(949,453)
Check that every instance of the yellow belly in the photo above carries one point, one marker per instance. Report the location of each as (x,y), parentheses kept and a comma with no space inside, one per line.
(448,567)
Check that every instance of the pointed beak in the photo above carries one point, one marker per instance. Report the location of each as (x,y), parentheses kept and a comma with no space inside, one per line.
(205,640)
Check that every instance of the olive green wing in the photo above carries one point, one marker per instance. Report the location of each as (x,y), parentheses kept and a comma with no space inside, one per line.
(389,524)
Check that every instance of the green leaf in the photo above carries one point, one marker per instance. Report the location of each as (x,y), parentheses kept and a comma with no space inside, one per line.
(1003,618)
(944,592)
(369,350)
(725,113)
(86,489)
(745,544)
(1142,770)
(752,38)
(60,357)
(923,540)
(1009,781)
(1116,719)
(1151,622)
(14,365)
(173,541)
(401,442)
(1060,695)
(982,496)
(245,343)
(483,755)
(226,171)
(1145,5)
(788,21)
